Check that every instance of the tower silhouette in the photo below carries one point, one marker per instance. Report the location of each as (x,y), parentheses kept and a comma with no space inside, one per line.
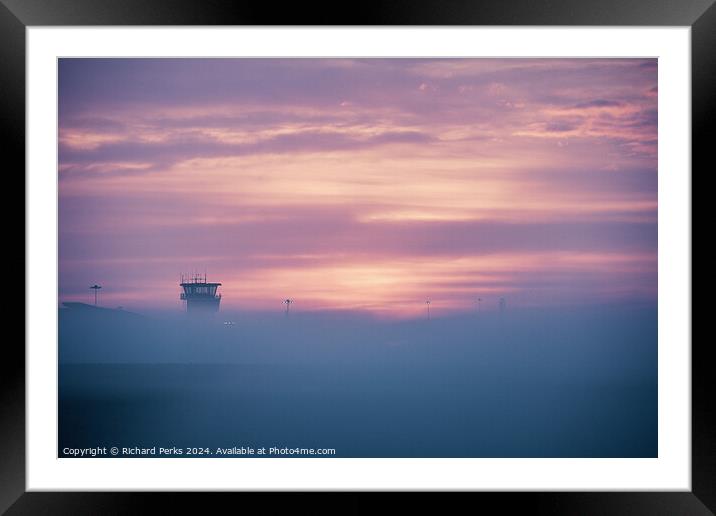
(200,296)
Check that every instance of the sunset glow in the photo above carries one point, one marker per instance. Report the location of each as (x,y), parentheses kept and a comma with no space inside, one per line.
(369,184)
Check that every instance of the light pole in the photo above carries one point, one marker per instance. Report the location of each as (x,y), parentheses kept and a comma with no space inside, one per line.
(95,288)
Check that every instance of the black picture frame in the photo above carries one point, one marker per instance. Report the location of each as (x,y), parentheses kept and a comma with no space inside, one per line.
(16,15)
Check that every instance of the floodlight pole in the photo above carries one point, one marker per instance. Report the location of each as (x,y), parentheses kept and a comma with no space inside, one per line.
(95,288)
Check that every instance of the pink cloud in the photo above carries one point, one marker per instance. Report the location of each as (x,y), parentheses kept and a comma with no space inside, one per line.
(386,180)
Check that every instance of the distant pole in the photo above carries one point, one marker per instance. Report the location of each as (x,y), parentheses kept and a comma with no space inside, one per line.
(427,302)
(95,288)
(479,301)
(503,304)
(287,302)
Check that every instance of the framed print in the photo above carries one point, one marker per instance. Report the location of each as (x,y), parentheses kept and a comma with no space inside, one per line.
(448,253)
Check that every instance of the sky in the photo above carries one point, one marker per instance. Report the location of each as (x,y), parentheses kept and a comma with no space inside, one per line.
(367,185)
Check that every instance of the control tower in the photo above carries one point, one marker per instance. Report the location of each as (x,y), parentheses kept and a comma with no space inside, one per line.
(200,296)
